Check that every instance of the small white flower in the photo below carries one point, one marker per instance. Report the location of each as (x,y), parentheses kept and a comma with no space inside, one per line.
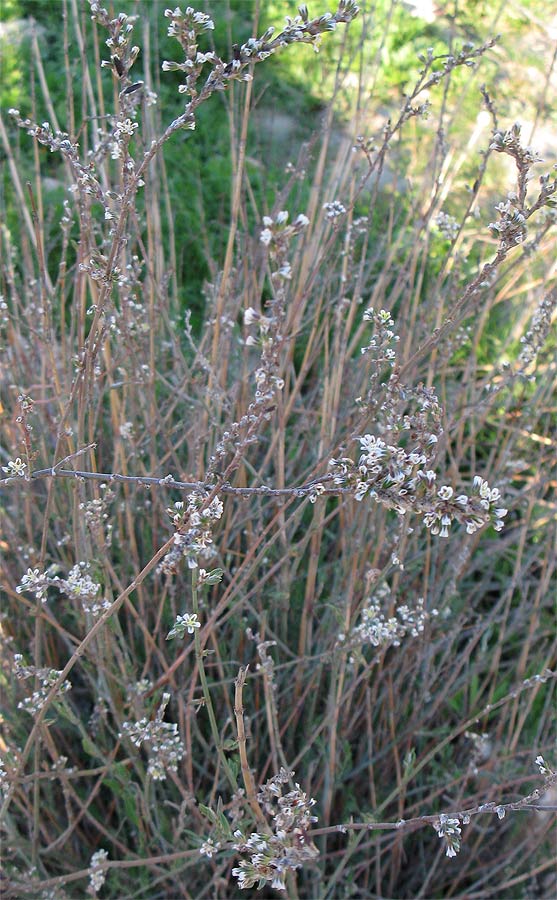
(191,623)
(445,492)
(285,271)
(187,622)
(250,316)
(15,467)
(209,847)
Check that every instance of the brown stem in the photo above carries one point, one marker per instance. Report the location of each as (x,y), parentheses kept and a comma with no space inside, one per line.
(247,776)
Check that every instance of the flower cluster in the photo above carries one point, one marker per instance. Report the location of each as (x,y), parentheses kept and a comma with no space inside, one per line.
(287,847)
(122,53)
(334,211)
(277,232)
(123,132)
(184,25)
(395,406)
(164,745)
(474,512)
(379,630)
(194,524)
(447,225)
(87,182)
(96,515)
(511,228)
(543,766)
(398,479)
(381,344)
(80,586)
(97,877)
(187,25)
(276,236)
(449,830)
(35,582)
(539,329)
(509,142)
(47,678)
(383,470)
(126,431)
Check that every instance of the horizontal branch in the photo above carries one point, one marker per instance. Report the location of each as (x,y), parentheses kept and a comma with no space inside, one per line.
(169,481)
(464,815)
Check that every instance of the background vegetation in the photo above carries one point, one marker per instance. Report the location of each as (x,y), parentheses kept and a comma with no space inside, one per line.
(403,676)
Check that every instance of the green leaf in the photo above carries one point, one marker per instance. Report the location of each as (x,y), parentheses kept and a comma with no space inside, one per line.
(208,813)
(214,576)
(91,749)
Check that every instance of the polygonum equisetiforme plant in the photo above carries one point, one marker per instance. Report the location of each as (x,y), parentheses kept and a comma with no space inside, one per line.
(226,428)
